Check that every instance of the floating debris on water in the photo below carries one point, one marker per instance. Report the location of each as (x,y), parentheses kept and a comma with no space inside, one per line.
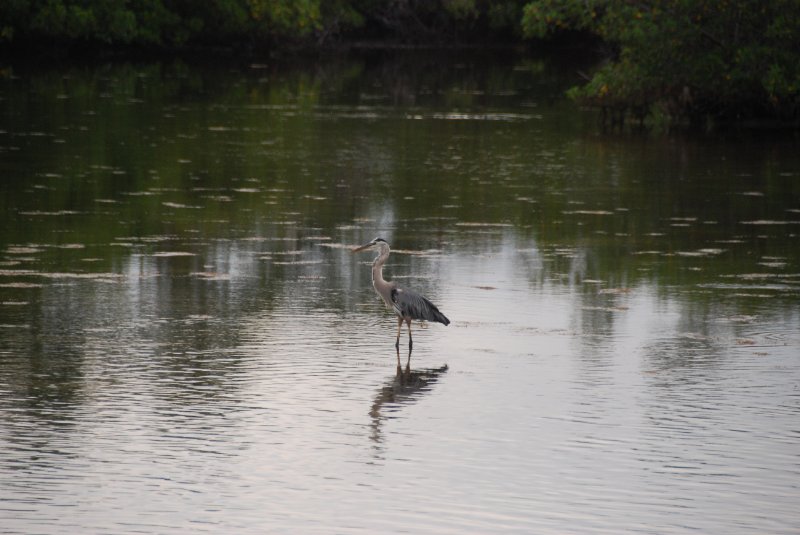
(179,205)
(478,224)
(141,193)
(97,277)
(298,262)
(739,318)
(587,212)
(170,254)
(615,291)
(147,239)
(756,276)
(44,213)
(211,276)
(426,252)
(337,245)
(769,222)
(567,252)
(266,239)
(455,116)
(694,336)
(23,249)
(701,252)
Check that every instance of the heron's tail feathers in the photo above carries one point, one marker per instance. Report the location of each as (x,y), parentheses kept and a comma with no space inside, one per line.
(436,315)
(410,304)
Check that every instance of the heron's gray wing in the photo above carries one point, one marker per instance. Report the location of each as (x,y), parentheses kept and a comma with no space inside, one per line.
(410,304)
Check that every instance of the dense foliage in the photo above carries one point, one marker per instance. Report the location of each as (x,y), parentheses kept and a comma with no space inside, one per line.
(179,22)
(154,22)
(686,58)
(689,59)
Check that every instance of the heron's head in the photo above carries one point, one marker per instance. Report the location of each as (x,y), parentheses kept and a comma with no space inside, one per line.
(377,243)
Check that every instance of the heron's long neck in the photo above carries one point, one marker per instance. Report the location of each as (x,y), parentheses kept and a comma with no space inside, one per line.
(377,270)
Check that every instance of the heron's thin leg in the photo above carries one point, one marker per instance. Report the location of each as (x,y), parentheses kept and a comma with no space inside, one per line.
(399,326)
(410,341)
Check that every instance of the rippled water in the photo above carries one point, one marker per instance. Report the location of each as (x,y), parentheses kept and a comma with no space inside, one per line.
(188,345)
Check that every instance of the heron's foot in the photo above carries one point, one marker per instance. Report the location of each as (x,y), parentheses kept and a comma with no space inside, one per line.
(397,344)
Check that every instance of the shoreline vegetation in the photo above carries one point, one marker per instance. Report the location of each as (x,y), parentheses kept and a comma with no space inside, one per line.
(660,62)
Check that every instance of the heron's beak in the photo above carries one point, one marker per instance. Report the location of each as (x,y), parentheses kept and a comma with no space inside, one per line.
(363,247)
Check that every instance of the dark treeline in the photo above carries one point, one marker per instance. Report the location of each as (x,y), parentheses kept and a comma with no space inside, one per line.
(262,23)
(668,60)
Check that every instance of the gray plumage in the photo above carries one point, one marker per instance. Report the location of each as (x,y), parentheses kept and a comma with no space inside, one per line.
(407,304)
(410,304)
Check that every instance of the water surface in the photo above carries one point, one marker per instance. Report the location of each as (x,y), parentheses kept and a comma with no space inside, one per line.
(188,345)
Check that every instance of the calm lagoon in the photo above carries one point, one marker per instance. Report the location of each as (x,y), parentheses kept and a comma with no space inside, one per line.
(187,344)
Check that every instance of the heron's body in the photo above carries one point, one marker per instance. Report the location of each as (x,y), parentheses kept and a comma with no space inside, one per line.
(407,304)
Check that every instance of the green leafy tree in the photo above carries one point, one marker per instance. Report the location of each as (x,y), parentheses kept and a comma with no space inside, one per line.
(686,58)
(169,23)
(157,22)
(443,20)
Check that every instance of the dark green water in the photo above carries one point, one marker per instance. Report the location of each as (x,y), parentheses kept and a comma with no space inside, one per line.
(188,345)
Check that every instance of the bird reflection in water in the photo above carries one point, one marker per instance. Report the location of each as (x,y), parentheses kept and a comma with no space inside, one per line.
(402,389)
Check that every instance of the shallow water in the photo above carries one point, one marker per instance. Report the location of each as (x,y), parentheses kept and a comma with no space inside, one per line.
(187,344)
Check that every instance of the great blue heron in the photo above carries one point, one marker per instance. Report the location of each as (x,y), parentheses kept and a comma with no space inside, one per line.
(407,304)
